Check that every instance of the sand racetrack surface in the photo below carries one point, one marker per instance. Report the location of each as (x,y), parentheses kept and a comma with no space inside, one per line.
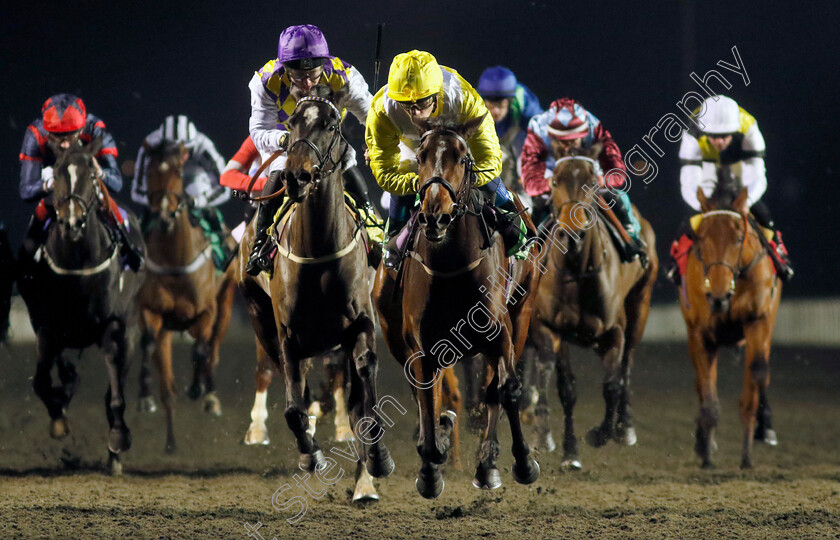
(214,486)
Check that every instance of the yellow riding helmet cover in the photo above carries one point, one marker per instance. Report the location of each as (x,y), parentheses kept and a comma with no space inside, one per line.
(414,75)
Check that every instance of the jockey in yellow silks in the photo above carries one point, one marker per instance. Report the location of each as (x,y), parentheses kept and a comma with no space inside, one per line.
(419,87)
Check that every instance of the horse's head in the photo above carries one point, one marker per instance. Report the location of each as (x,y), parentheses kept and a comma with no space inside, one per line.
(76,189)
(316,145)
(573,184)
(722,246)
(164,180)
(445,173)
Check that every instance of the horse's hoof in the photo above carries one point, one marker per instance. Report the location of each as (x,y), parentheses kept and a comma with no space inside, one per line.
(527,474)
(147,404)
(596,438)
(380,465)
(195,391)
(571,464)
(171,448)
(707,464)
(256,435)
(769,438)
(119,440)
(114,466)
(310,462)
(365,491)
(212,405)
(626,436)
(746,462)
(430,485)
(315,409)
(546,442)
(312,426)
(59,428)
(487,478)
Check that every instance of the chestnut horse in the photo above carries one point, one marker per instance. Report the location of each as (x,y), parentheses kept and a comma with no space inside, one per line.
(79,294)
(590,298)
(730,296)
(182,291)
(320,289)
(457,272)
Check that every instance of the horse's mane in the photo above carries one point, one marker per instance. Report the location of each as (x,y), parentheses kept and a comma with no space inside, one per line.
(164,149)
(321,91)
(727,188)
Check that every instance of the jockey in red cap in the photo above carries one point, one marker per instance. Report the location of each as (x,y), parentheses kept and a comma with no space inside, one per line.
(566,124)
(65,122)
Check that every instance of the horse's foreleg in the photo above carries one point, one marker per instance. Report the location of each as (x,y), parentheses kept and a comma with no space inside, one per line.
(203,384)
(146,402)
(297,417)
(525,470)
(430,446)
(163,362)
(364,489)
(452,401)
(473,385)
(567,390)
(54,398)
(611,348)
(257,431)
(704,357)
(756,381)
(114,346)
(379,463)
(487,473)
(224,304)
(335,366)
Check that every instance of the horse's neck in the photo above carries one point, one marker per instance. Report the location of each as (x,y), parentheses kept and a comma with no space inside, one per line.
(319,224)
(91,248)
(462,246)
(588,258)
(179,246)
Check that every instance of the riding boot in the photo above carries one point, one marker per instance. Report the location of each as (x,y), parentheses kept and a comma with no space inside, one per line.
(391,256)
(131,252)
(259,260)
(621,209)
(510,223)
(776,248)
(36,235)
(355,185)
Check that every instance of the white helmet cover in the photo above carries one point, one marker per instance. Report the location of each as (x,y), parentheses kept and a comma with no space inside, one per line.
(722,116)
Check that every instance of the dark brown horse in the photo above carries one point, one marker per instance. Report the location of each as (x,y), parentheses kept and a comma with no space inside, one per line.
(457,296)
(590,298)
(320,289)
(730,296)
(79,294)
(182,291)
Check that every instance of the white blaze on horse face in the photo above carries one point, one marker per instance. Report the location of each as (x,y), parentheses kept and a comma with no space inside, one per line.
(311,114)
(164,167)
(439,157)
(72,171)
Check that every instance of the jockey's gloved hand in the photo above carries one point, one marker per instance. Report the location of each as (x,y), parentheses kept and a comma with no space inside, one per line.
(47,178)
(282,140)
(197,201)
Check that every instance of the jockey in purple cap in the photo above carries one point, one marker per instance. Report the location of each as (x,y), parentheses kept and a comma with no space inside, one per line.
(303,61)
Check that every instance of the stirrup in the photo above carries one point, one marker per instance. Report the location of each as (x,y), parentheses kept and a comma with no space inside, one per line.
(259,261)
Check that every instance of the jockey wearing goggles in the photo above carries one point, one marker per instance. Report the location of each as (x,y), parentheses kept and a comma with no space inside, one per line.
(566,124)
(64,123)
(418,87)
(512,105)
(729,137)
(303,61)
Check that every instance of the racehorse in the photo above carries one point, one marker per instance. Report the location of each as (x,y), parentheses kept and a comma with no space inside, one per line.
(183,290)
(730,296)
(589,297)
(79,294)
(320,289)
(456,296)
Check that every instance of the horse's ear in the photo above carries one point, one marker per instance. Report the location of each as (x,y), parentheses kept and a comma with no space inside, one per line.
(421,124)
(95,146)
(705,206)
(183,151)
(471,126)
(595,150)
(740,205)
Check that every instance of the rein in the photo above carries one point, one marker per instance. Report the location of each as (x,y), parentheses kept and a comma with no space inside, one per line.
(738,272)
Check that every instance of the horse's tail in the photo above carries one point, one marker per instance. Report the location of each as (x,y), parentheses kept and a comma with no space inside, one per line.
(8,274)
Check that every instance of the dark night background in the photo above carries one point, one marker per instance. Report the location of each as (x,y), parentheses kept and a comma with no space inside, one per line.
(629,63)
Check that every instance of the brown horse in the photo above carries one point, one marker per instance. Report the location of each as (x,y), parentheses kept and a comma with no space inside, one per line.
(588,297)
(183,290)
(454,299)
(730,296)
(320,289)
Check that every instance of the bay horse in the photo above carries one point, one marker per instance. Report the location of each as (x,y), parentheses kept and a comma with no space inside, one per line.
(730,296)
(456,296)
(79,294)
(182,292)
(589,297)
(320,285)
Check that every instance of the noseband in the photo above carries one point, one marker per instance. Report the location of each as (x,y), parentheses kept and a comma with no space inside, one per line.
(86,204)
(325,157)
(460,197)
(737,272)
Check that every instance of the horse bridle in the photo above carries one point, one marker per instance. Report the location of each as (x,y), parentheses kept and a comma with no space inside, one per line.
(460,198)
(738,272)
(326,156)
(573,201)
(86,204)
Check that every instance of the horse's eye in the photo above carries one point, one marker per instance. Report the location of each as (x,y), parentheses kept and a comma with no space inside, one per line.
(333,127)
